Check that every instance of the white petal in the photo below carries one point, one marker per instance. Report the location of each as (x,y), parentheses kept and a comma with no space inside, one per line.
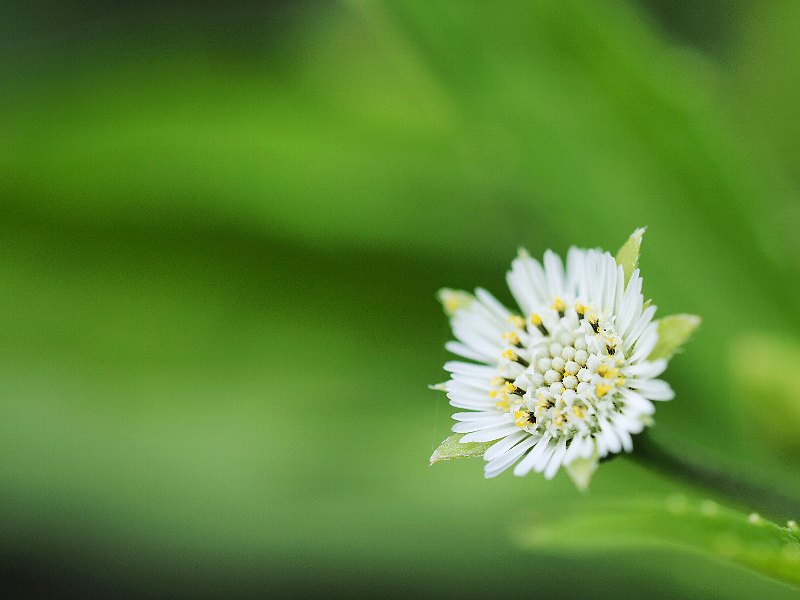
(494,306)
(524,467)
(554,273)
(589,447)
(472,404)
(471,383)
(462,350)
(490,424)
(475,416)
(504,461)
(646,343)
(575,261)
(652,389)
(574,450)
(639,326)
(520,287)
(468,395)
(609,437)
(623,434)
(504,445)
(462,368)
(487,435)
(558,458)
(545,457)
(646,370)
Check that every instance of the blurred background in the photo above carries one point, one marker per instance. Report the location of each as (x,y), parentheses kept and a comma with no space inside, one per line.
(223,226)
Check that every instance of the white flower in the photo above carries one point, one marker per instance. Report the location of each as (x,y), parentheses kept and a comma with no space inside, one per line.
(564,381)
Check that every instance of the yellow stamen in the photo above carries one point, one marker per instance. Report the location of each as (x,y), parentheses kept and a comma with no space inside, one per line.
(513,356)
(579,411)
(523,418)
(602,389)
(559,306)
(512,337)
(498,380)
(607,372)
(537,320)
(580,309)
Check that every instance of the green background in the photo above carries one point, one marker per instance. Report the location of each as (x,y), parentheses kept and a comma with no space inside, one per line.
(222,232)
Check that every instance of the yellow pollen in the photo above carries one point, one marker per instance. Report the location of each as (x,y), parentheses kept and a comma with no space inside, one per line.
(619,381)
(559,305)
(580,308)
(559,420)
(606,371)
(579,411)
(494,393)
(498,380)
(503,404)
(602,389)
(510,355)
(536,319)
(512,337)
(517,321)
(509,388)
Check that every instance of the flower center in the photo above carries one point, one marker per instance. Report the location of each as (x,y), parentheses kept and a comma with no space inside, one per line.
(573,360)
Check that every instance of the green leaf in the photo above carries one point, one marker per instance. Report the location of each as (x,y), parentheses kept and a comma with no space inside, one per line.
(628,255)
(453,448)
(673,332)
(700,526)
(752,357)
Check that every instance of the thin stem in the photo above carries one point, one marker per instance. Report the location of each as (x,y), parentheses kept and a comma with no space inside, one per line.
(750,494)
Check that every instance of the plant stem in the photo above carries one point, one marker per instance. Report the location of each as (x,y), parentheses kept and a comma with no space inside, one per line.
(750,494)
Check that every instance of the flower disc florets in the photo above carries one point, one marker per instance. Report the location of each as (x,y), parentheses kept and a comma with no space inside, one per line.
(567,377)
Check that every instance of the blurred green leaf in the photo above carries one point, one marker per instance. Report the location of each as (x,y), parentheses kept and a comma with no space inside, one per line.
(673,332)
(753,360)
(702,526)
(453,448)
(192,219)
(628,255)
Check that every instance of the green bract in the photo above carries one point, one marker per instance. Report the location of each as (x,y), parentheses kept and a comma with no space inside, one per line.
(453,448)
(673,332)
(628,255)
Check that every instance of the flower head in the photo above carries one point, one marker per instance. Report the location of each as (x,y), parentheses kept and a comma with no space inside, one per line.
(564,379)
